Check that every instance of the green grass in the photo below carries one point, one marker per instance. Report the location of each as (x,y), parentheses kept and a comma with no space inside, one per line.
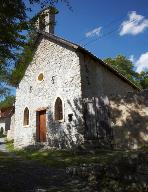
(122,161)
(63,158)
(10,145)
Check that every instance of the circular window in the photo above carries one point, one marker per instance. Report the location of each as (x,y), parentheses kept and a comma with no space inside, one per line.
(41,77)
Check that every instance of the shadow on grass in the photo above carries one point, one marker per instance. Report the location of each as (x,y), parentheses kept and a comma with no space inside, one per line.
(61,158)
(31,170)
(31,175)
(35,170)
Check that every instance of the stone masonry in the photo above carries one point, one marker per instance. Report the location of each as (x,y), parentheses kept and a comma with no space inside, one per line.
(63,77)
(70,73)
(61,70)
(129,116)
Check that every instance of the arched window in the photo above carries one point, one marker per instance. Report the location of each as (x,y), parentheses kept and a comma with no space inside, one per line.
(58,110)
(26,116)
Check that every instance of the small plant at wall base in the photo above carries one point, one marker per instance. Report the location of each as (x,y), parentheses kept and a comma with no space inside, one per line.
(10,145)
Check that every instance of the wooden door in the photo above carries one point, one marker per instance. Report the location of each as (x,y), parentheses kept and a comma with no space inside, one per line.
(41,128)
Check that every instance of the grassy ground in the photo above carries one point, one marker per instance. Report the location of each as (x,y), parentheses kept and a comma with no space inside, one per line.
(20,175)
(64,158)
(61,158)
(32,169)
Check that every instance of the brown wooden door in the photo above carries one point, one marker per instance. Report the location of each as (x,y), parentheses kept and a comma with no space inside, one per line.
(41,129)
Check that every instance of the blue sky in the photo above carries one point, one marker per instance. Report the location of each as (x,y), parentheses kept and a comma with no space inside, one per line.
(106,27)
(97,25)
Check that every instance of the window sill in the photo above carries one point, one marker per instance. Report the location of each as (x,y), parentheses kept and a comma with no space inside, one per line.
(26,126)
(60,121)
(40,81)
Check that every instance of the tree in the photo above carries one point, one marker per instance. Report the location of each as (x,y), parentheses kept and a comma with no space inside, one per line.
(22,63)
(143,79)
(13,40)
(13,21)
(125,67)
(3,74)
(7,102)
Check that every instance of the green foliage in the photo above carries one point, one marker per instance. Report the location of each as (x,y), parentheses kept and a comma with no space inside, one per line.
(126,68)
(123,65)
(45,3)
(14,47)
(115,171)
(63,158)
(25,58)
(10,145)
(143,79)
(3,76)
(4,91)
(12,22)
(7,102)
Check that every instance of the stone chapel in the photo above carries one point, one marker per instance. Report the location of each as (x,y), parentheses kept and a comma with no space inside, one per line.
(49,98)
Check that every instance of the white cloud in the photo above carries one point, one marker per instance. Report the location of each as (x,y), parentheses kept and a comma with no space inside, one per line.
(134,25)
(142,63)
(94,32)
(132,58)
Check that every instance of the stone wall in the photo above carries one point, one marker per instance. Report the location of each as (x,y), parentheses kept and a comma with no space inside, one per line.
(97,80)
(60,67)
(70,75)
(130,120)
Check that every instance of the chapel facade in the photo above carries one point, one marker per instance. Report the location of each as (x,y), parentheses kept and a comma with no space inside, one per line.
(49,98)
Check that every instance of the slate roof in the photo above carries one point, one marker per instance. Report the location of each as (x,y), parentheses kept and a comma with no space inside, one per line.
(83,50)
